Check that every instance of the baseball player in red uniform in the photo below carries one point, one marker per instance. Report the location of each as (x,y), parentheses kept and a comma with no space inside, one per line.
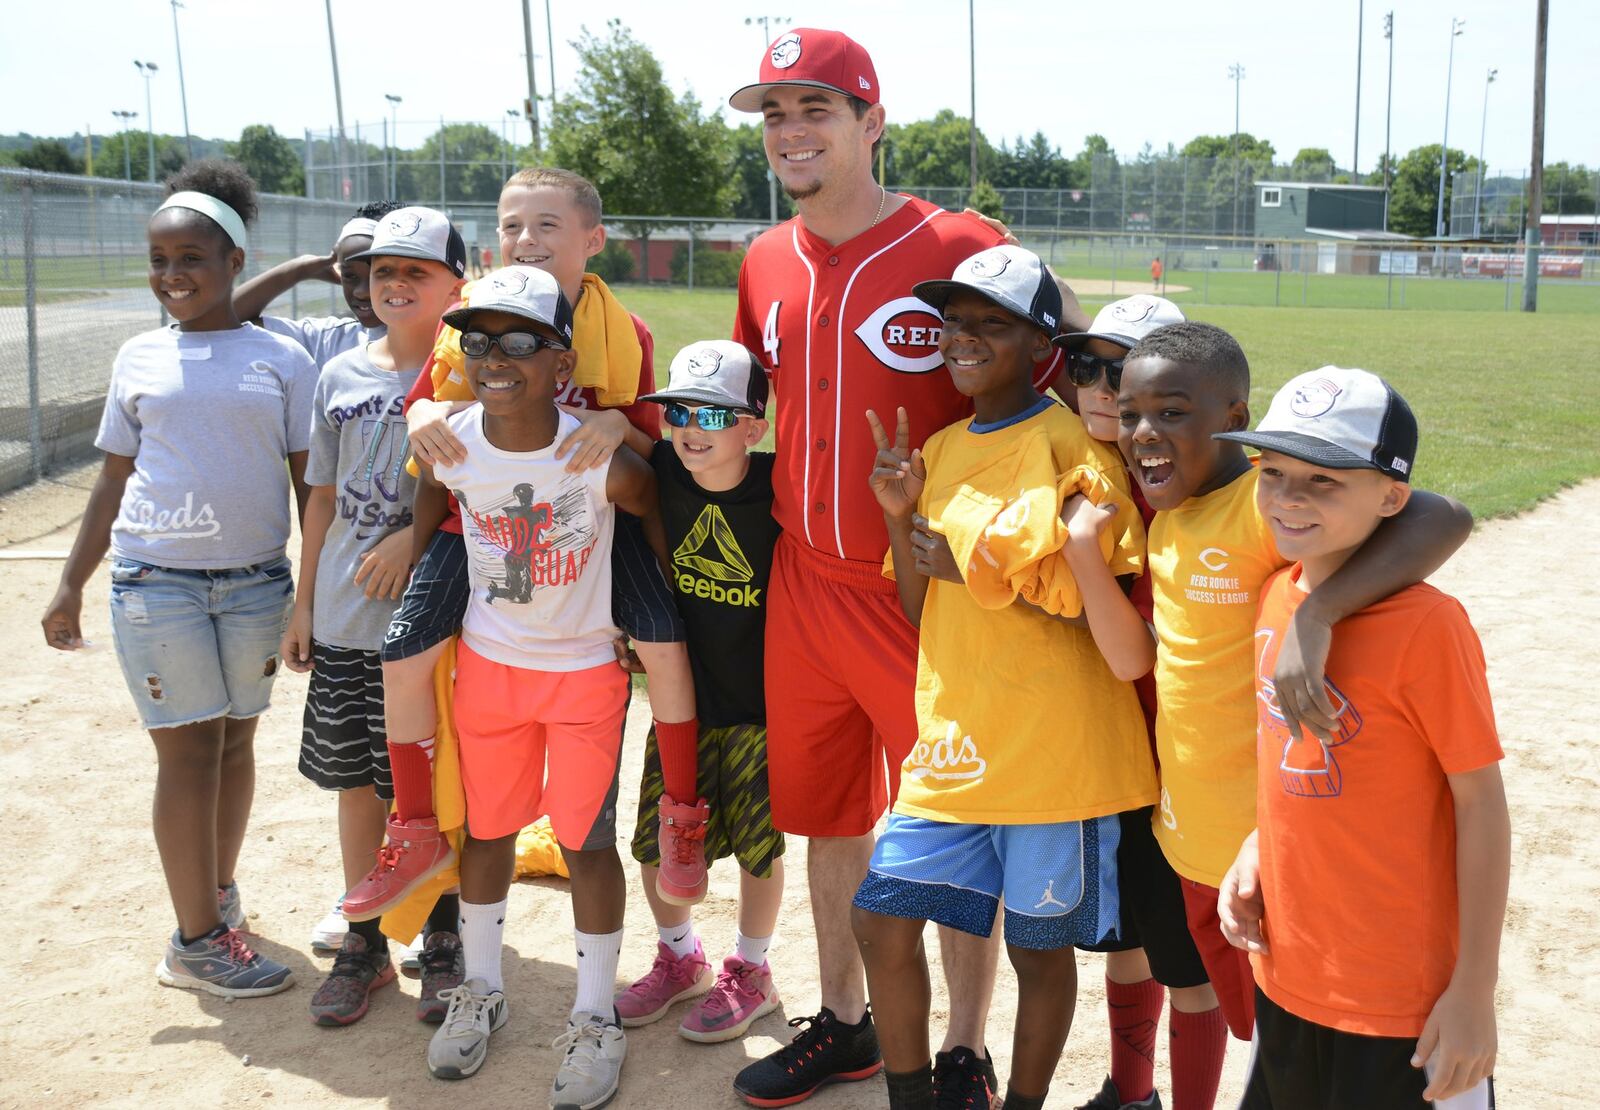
(825,301)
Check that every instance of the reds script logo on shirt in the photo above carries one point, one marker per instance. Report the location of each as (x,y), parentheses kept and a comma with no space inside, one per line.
(904,335)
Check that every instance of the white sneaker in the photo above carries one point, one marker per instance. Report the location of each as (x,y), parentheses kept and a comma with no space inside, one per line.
(461,1044)
(327,935)
(591,1062)
(409,957)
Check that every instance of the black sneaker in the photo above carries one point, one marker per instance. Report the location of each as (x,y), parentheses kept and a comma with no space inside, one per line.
(1109,1098)
(824,1051)
(961,1080)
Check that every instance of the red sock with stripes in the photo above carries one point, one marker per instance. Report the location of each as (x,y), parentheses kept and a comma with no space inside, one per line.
(412,768)
(678,744)
(1135,1012)
(1196,1044)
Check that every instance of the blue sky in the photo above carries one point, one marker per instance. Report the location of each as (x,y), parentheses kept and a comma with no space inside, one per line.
(1155,71)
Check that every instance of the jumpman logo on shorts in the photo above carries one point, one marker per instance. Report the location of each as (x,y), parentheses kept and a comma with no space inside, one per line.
(1050,898)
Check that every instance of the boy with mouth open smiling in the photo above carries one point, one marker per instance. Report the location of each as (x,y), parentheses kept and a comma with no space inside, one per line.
(1210,552)
(1004,794)
(540,699)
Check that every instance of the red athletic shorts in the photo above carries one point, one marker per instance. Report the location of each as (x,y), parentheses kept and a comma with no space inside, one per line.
(841,672)
(1227,967)
(540,742)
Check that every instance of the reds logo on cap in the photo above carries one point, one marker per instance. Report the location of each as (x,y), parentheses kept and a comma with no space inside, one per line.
(1133,309)
(1314,398)
(704,363)
(990,263)
(786,51)
(903,334)
(404,224)
(509,282)
(816,58)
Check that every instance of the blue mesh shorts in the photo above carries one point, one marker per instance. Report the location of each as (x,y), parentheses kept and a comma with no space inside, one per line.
(1058,881)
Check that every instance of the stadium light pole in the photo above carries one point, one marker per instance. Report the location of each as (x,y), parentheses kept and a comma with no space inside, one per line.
(766,22)
(394,144)
(1388,115)
(338,100)
(127,155)
(533,88)
(148,70)
(183,93)
(1444,147)
(1355,156)
(1236,73)
(1483,130)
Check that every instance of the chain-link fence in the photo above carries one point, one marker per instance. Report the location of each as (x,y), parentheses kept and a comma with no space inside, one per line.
(1491,205)
(73,287)
(435,162)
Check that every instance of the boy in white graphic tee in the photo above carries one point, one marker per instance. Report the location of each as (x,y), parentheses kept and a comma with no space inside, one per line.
(540,698)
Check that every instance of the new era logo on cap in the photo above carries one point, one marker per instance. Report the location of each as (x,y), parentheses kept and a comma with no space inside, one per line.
(1339,419)
(716,372)
(816,58)
(523,291)
(1012,277)
(419,233)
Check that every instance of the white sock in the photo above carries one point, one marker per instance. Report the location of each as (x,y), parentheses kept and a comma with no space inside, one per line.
(752,950)
(679,938)
(597,972)
(482,928)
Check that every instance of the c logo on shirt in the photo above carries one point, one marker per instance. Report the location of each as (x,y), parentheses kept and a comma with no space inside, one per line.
(1214,558)
(903,334)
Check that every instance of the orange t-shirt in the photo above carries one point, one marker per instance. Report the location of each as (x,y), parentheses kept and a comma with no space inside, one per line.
(1358,841)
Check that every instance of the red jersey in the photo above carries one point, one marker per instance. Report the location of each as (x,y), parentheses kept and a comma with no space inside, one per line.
(644,415)
(840,333)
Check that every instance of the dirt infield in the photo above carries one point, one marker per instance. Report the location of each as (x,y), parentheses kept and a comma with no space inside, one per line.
(1122,287)
(90,1025)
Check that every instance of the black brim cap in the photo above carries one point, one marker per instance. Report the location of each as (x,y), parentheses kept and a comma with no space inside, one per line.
(1012,277)
(1339,419)
(715,372)
(524,291)
(416,232)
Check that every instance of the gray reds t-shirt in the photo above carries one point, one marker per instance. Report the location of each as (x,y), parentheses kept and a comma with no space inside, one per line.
(358,446)
(324,337)
(209,419)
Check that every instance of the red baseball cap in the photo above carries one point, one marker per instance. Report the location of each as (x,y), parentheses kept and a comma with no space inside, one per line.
(829,60)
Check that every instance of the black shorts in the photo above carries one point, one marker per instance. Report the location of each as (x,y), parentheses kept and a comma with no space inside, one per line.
(435,600)
(1152,913)
(641,601)
(1299,1065)
(343,741)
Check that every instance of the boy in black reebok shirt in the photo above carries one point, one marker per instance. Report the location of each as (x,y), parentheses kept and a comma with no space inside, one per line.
(716,504)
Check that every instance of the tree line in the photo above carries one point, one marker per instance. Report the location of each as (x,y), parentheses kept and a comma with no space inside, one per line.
(655,153)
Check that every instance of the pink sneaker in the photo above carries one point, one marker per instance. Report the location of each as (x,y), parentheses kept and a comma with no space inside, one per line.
(682,840)
(415,853)
(742,993)
(669,980)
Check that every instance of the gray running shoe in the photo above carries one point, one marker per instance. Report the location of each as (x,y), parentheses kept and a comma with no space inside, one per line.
(461,1044)
(591,1062)
(228,907)
(443,969)
(222,965)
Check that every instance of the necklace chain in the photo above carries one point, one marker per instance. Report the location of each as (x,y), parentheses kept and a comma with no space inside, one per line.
(883,199)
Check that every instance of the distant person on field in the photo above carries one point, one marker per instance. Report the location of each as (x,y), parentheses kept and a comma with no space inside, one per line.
(206,428)
(1372,892)
(1156,270)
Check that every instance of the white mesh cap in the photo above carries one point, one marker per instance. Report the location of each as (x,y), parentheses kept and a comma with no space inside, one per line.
(1339,419)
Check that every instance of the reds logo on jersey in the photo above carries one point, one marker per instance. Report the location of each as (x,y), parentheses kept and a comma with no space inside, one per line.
(903,334)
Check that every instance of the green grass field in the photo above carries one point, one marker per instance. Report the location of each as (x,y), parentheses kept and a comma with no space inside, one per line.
(1507,402)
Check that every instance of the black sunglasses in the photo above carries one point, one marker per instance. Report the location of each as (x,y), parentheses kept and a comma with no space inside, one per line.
(1084,369)
(515,344)
(712,418)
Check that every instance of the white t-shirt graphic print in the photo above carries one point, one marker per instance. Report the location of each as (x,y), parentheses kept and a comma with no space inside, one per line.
(538,552)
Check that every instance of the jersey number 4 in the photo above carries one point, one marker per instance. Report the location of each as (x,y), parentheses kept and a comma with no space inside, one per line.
(769,336)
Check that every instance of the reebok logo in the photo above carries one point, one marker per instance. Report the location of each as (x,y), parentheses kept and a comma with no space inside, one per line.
(709,563)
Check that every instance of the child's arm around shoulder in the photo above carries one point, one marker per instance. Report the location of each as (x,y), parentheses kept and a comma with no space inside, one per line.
(1404,550)
(429,508)
(631,486)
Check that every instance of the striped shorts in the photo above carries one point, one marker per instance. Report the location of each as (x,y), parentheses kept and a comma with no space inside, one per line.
(343,742)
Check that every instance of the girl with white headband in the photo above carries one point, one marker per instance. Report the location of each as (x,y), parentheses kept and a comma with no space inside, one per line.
(206,424)
(323,337)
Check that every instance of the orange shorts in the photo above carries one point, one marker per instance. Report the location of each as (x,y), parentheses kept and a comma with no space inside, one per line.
(1227,967)
(540,742)
(841,675)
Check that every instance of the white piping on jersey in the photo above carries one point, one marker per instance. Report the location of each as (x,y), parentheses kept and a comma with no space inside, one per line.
(838,367)
(805,479)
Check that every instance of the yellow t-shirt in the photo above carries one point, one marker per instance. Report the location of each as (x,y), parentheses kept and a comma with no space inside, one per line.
(1020,720)
(1208,561)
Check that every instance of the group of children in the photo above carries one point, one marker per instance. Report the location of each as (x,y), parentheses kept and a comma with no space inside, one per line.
(1125,739)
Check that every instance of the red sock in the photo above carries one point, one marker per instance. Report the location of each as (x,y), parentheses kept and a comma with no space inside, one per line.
(1135,1011)
(678,744)
(412,768)
(1196,1043)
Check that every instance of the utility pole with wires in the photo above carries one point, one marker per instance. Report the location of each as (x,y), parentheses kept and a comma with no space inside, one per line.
(533,86)
(1535,213)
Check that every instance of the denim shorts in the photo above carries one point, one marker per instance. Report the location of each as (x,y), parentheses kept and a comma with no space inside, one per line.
(199,644)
